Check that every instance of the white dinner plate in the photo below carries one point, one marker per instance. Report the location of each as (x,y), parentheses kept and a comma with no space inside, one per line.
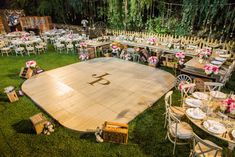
(214,126)
(218,94)
(200,95)
(193,102)
(225,56)
(220,59)
(195,113)
(216,62)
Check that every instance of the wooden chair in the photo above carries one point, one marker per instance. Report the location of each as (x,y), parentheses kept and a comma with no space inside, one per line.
(177,111)
(39,48)
(30,48)
(19,50)
(60,47)
(212,86)
(186,90)
(205,148)
(179,133)
(136,57)
(199,84)
(69,47)
(183,78)
(5,50)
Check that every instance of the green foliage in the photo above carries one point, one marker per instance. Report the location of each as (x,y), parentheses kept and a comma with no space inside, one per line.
(206,17)
(155,25)
(115,14)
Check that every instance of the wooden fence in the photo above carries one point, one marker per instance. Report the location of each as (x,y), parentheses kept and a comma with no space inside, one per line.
(184,40)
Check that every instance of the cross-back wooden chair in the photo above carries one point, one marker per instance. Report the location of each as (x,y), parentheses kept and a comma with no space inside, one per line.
(179,133)
(183,78)
(177,111)
(186,90)
(212,86)
(205,148)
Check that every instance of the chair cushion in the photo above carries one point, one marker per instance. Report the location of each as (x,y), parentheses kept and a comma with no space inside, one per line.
(6,49)
(184,130)
(205,148)
(70,46)
(39,47)
(178,112)
(30,48)
(20,49)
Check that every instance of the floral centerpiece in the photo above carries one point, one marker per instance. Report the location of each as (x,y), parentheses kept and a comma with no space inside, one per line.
(84,56)
(210,69)
(180,56)
(151,41)
(115,47)
(153,60)
(228,106)
(25,37)
(204,54)
(31,64)
(83,44)
(180,86)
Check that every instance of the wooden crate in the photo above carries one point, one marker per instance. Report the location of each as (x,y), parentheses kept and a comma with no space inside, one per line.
(91,52)
(38,122)
(115,132)
(12,96)
(26,72)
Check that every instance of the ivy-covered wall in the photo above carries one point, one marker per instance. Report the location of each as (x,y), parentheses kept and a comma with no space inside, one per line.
(213,18)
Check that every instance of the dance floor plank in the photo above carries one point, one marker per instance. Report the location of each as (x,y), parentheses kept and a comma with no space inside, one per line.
(82,96)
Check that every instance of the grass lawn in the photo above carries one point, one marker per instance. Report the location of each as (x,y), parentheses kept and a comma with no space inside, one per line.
(17,138)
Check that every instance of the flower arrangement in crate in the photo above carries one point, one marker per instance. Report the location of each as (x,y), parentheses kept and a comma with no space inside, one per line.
(48,128)
(84,56)
(211,69)
(151,41)
(25,37)
(204,54)
(153,60)
(228,106)
(180,56)
(115,47)
(31,64)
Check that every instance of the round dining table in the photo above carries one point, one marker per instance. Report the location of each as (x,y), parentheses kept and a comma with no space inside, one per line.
(203,109)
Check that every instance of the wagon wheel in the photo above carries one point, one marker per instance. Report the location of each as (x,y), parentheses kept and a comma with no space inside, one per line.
(99,28)
(183,78)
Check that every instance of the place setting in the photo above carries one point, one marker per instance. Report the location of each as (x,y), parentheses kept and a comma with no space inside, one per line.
(200,95)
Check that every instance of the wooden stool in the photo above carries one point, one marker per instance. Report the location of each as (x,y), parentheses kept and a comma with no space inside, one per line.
(26,73)
(6,50)
(115,132)
(38,122)
(12,96)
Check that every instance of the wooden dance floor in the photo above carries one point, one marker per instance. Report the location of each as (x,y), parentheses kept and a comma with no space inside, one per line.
(82,96)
